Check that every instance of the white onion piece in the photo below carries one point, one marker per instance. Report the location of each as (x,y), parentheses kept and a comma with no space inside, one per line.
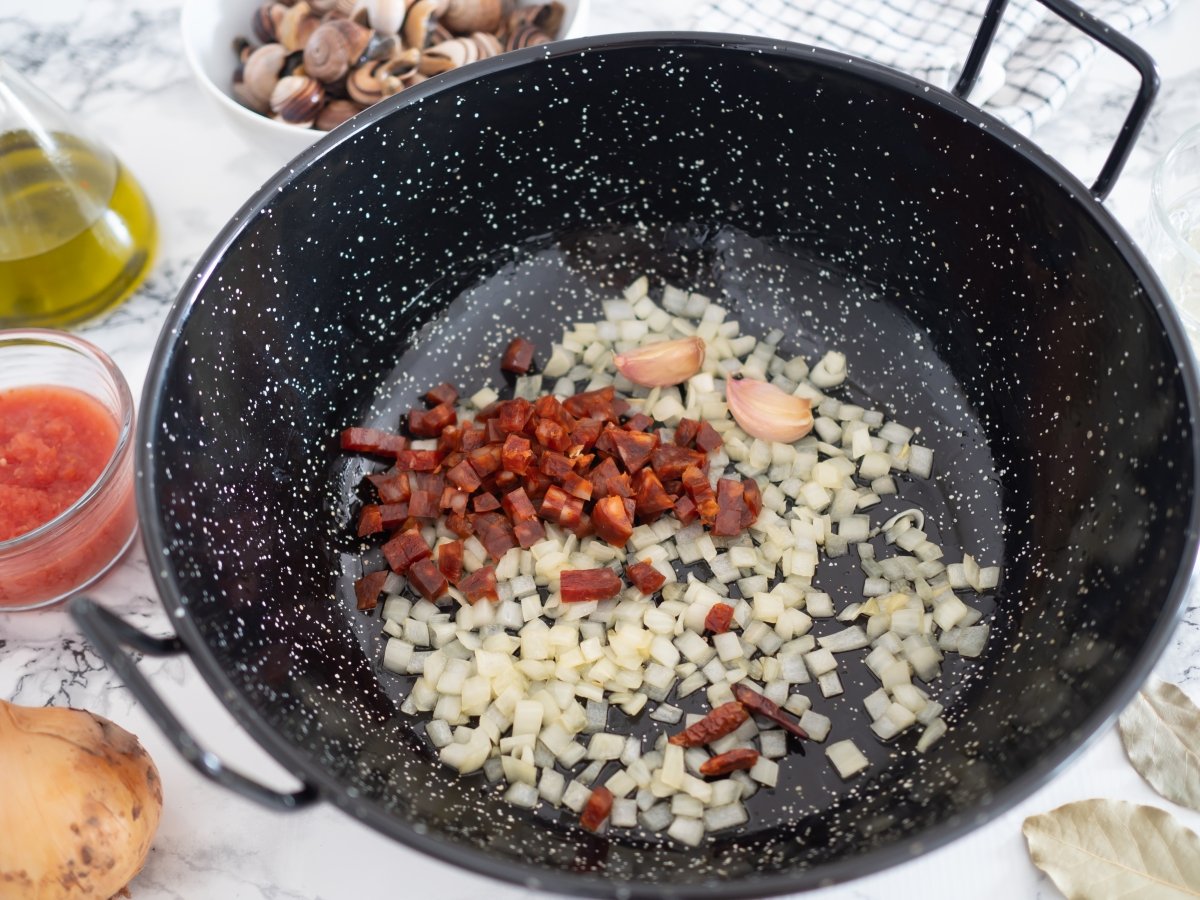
(846,758)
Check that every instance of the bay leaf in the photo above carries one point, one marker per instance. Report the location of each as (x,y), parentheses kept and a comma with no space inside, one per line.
(1161,733)
(1099,849)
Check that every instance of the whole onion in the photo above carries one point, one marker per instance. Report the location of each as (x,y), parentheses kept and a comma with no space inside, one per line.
(80,801)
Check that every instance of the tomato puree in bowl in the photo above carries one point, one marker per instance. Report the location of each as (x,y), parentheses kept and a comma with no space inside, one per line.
(66,492)
(54,443)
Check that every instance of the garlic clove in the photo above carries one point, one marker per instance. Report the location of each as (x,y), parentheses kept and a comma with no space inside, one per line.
(767,412)
(663,364)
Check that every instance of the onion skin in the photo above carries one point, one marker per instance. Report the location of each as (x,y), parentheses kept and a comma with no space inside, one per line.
(81,803)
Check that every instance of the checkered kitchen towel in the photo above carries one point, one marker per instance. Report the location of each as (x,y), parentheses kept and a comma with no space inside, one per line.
(1036,60)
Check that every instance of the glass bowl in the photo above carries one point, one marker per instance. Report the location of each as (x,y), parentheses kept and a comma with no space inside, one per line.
(1175,227)
(77,546)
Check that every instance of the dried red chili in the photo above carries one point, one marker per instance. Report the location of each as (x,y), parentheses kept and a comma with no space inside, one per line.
(597,808)
(756,703)
(721,721)
(732,761)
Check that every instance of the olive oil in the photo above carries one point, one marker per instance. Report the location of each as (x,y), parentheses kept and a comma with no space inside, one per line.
(77,234)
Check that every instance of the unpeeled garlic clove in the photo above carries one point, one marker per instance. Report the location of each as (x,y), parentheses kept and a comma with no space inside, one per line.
(663,364)
(767,412)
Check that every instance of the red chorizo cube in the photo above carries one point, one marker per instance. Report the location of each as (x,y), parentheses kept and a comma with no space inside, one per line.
(427,579)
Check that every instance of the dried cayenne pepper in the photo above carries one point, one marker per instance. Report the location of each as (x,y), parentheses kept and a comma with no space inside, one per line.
(597,808)
(756,703)
(721,721)
(742,758)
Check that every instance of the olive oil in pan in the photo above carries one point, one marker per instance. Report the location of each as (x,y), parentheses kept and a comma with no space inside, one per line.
(77,234)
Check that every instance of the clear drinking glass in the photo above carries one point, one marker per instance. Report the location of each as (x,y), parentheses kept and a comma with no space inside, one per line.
(1175,228)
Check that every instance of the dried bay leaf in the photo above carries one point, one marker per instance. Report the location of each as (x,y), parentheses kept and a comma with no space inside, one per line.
(1097,849)
(1161,733)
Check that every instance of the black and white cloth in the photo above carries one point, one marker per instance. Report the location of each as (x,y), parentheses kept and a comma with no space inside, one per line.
(1036,60)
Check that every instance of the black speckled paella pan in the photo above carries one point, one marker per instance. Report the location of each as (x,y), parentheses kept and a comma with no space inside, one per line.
(979,291)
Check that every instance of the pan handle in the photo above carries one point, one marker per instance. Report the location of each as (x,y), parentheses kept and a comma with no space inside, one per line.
(1098,31)
(108,634)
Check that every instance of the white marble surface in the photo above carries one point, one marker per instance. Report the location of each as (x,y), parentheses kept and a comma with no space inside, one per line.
(117,64)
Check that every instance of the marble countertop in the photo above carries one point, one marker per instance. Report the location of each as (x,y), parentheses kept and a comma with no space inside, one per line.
(118,65)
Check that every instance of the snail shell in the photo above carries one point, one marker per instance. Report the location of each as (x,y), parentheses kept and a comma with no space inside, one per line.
(321,7)
(419,22)
(297,26)
(385,16)
(365,83)
(439,33)
(525,36)
(466,16)
(547,17)
(458,52)
(265,21)
(297,99)
(333,48)
(335,113)
(260,75)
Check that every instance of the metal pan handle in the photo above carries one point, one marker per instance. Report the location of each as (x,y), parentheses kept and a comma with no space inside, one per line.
(108,634)
(1098,31)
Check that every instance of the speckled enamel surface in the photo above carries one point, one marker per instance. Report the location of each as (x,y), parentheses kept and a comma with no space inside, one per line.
(975,296)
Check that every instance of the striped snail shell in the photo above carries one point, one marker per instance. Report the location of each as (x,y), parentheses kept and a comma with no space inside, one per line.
(467,16)
(333,48)
(297,99)
(525,36)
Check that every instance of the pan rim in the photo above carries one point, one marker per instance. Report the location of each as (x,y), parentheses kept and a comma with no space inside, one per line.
(293,759)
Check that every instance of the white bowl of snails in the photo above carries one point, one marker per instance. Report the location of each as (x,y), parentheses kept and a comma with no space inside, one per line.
(363,51)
